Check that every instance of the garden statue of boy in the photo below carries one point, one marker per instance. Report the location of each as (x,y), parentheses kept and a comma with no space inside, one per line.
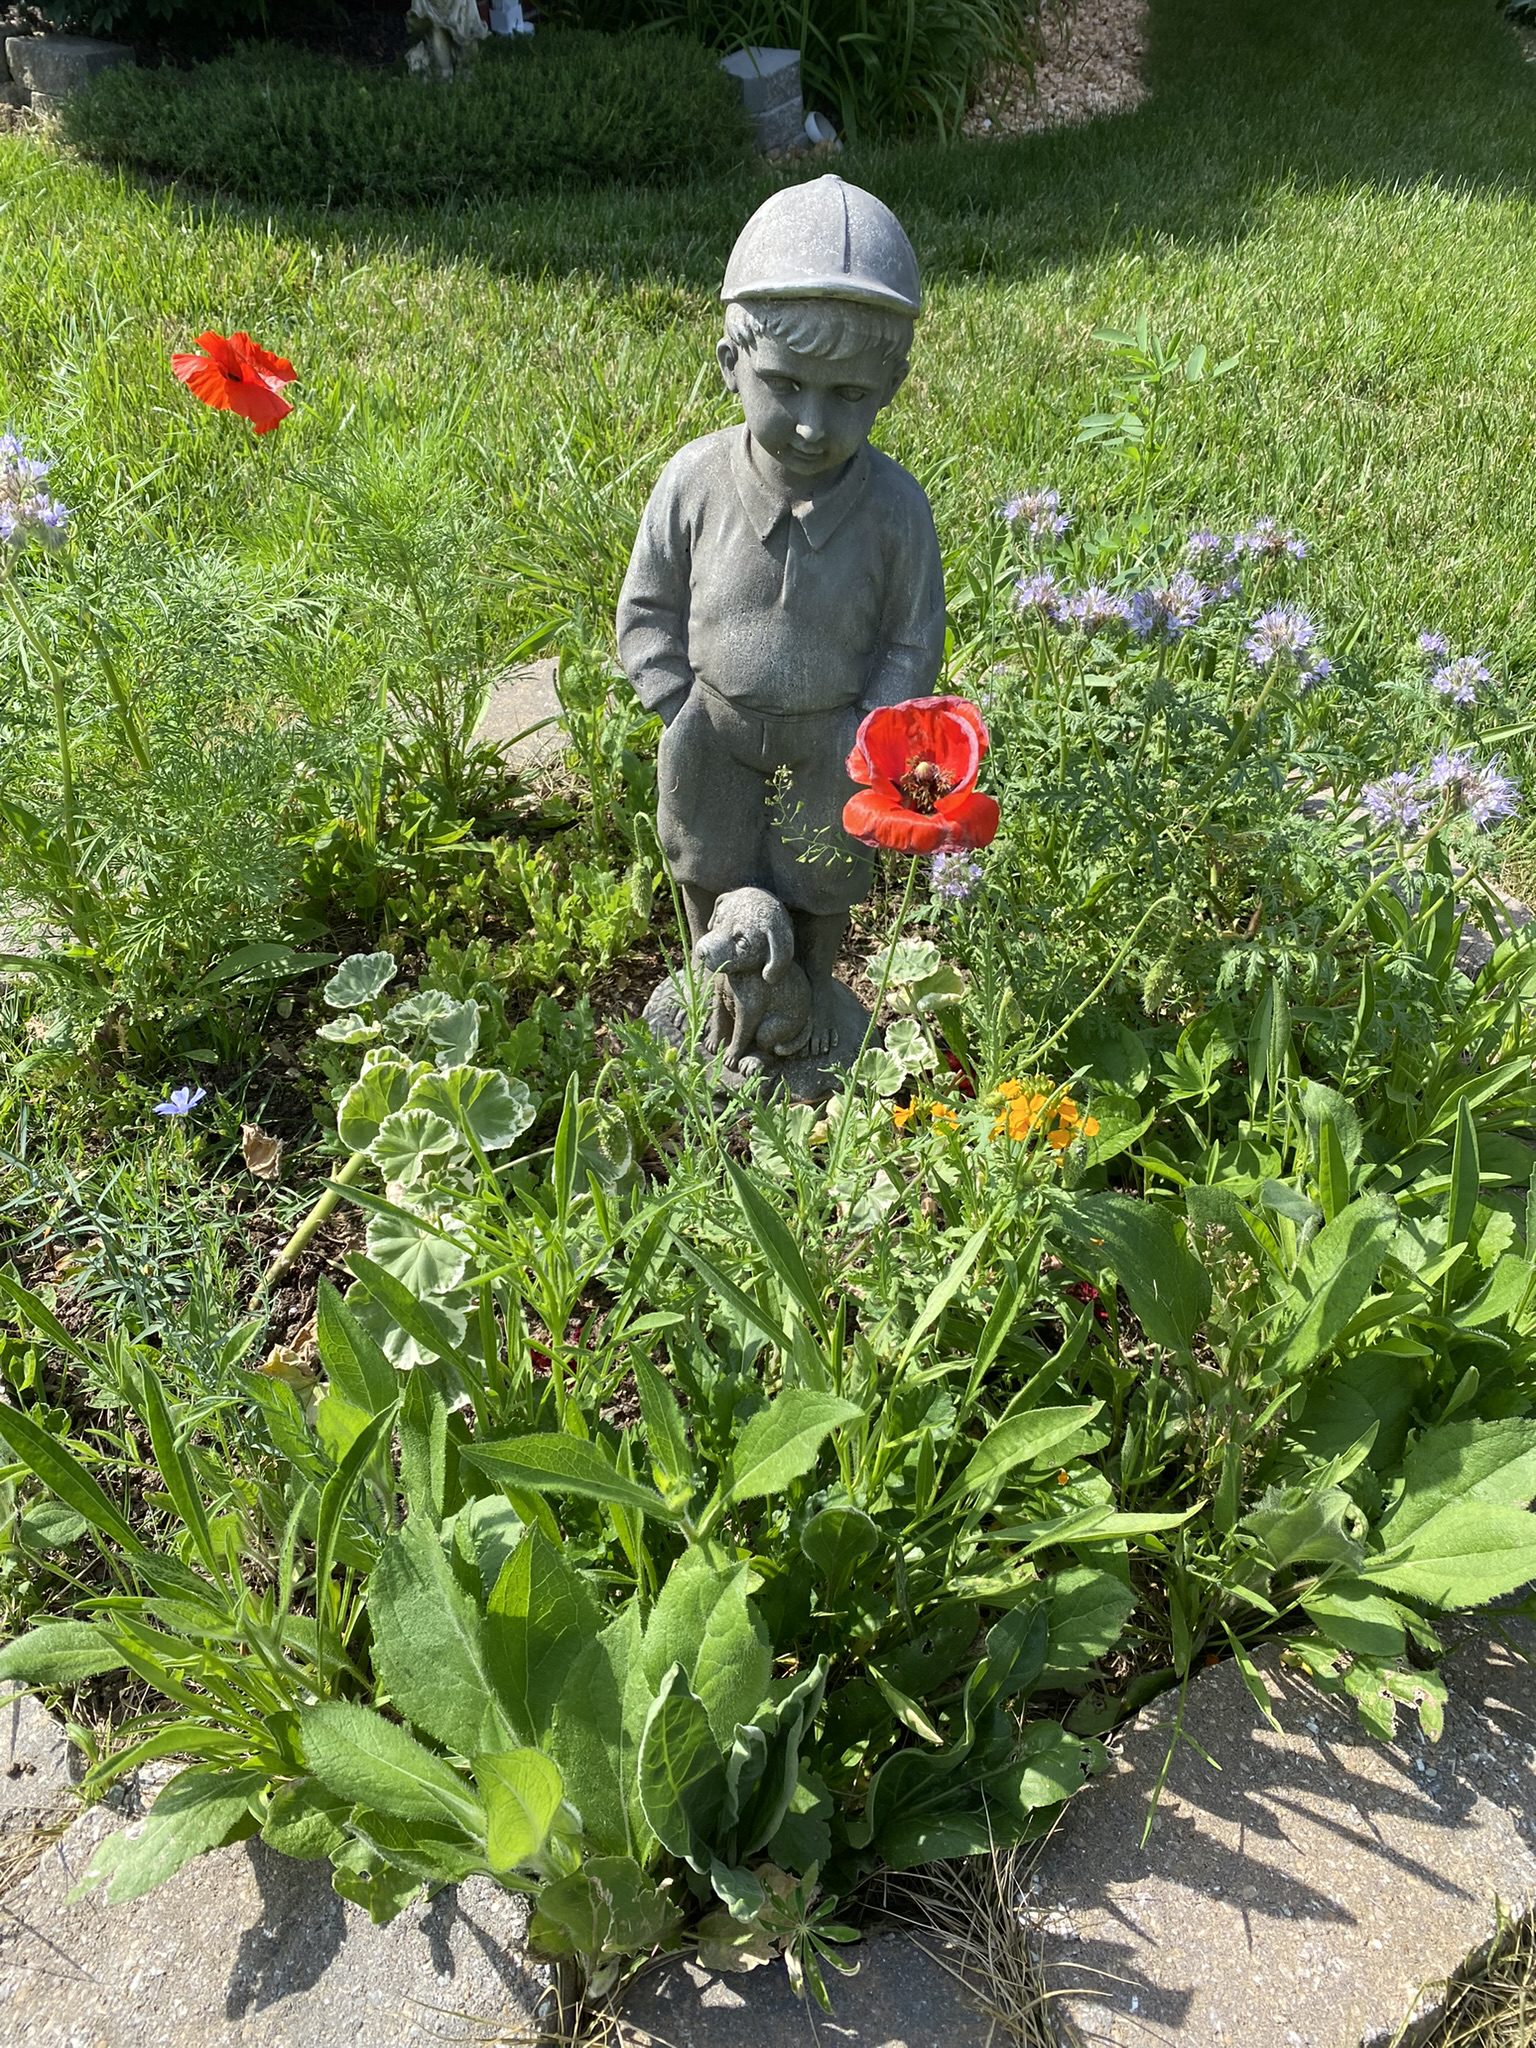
(785,582)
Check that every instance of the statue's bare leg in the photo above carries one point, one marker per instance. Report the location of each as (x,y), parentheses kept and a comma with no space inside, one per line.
(818,942)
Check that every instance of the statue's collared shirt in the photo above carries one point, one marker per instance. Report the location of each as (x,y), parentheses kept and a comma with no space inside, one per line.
(783,605)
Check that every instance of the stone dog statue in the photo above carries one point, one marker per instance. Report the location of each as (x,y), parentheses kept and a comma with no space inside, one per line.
(761,990)
(786,580)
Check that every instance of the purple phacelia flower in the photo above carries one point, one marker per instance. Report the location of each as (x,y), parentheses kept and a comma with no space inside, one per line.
(1281,634)
(1268,540)
(1395,804)
(1459,679)
(1485,793)
(1433,646)
(1097,610)
(954,876)
(1316,672)
(1169,610)
(26,511)
(1039,594)
(1039,512)
(1206,552)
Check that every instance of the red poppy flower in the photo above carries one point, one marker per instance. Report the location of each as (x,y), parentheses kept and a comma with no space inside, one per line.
(920,761)
(237,376)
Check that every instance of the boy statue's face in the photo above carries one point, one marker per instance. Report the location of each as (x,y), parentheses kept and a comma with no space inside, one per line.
(808,415)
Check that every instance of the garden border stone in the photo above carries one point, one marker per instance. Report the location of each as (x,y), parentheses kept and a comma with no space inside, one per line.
(769,81)
(1314,1889)
(50,68)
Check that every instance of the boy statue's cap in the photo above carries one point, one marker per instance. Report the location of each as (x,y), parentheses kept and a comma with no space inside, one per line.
(825,240)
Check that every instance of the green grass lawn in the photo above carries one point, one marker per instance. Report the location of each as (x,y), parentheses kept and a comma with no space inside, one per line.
(1341,192)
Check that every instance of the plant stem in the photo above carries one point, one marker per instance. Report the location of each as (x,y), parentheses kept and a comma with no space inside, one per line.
(834,1159)
(330,1195)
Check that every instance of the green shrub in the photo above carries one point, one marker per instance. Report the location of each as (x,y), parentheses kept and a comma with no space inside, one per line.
(881,68)
(279,124)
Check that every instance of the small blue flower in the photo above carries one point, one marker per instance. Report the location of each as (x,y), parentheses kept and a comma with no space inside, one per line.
(26,511)
(1206,552)
(1395,803)
(954,876)
(1097,610)
(1459,679)
(182,1102)
(1486,794)
(1281,634)
(1039,512)
(1039,594)
(1268,540)
(1165,613)
(1433,646)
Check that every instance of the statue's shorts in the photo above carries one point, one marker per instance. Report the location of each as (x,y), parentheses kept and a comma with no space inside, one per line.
(753,799)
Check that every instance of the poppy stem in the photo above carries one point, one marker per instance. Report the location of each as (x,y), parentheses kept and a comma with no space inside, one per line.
(834,1159)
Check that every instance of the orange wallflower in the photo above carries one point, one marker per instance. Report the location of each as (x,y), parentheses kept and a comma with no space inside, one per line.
(1028,1111)
(938,1113)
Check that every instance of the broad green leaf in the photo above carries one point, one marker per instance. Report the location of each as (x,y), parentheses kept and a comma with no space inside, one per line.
(437,1326)
(412,1145)
(1088,1612)
(521,1791)
(454,1033)
(703,1623)
(1464,1461)
(429,1645)
(539,1617)
(681,1773)
(782,1443)
(565,1464)
(1021,1440)
(197,1811)
(421,1258)
(360,1873)
(64,1475)
(1332,1283)
(424,1450)
(305,1821)
(663,1419)
(59,1653)
(358,980)
(361,1757)
(1014,1658)
(607,1909)
(1356,1619)
(1166,1287)
(354,1363)
(1295,1524)
(1469,1553)
(1371,1389)
(379,1091)
(837,1540)
(433,1852)
(595,1731)
(488,1107)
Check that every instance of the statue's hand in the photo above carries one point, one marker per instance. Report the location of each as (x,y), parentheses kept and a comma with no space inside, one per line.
(669,707)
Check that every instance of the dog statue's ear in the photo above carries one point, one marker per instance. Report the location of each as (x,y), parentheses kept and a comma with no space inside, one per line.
(781,944)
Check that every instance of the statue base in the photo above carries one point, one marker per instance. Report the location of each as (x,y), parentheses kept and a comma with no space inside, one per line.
(811,1077)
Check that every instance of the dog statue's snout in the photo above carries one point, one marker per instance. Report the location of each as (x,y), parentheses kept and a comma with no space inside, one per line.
(713,950)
